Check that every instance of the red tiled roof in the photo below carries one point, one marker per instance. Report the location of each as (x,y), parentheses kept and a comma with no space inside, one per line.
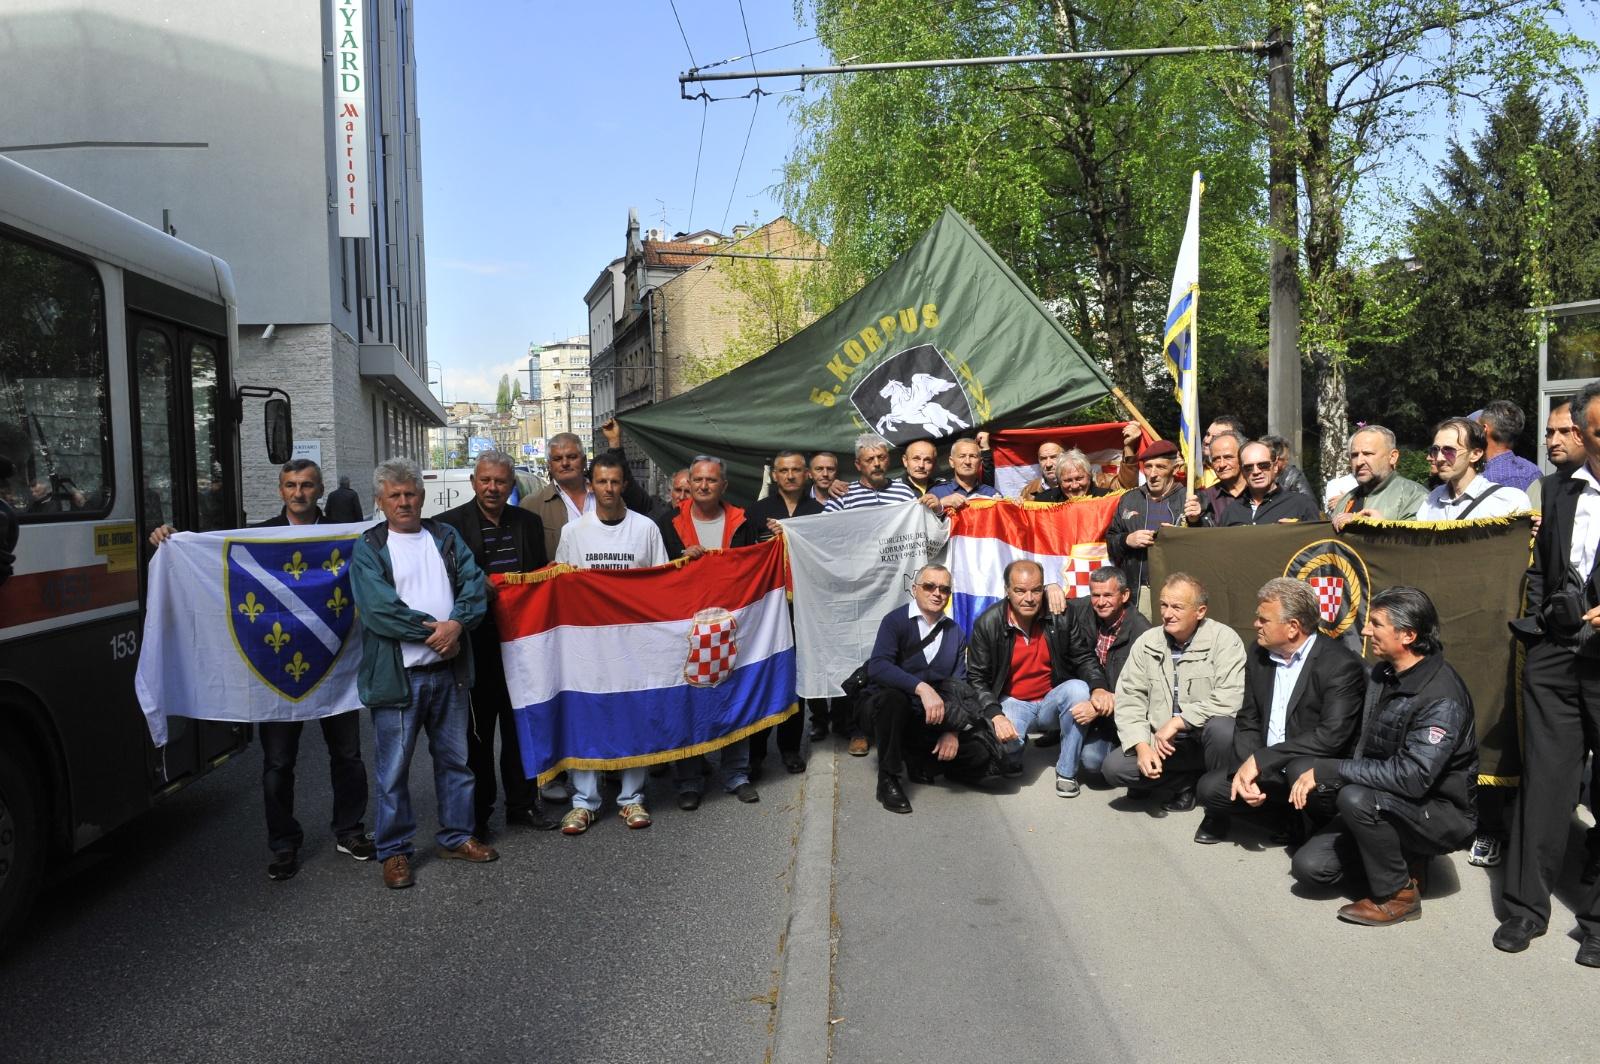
(675,253)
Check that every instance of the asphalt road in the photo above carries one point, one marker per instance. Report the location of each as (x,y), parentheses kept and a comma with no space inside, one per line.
(1024,927)
(1015,927)
(168,942)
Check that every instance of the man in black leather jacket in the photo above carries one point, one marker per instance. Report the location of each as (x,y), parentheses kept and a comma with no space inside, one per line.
(1032,670)
(1408,793)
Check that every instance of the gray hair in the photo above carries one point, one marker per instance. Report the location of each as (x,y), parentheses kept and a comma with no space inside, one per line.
(344,480)
(1108,574)
(1296,599)
(564,439)
(499,458)
(1074,457)
(1387,435)
(1410,609)
(1230,434)
(934,566)
(1200,596)
(396,471)
(871,441)
(722,467)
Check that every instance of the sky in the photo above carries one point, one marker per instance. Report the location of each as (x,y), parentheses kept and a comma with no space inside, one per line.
(544,121)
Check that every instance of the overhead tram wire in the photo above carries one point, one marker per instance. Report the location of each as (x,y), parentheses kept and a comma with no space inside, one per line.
(679,20)
(751,128)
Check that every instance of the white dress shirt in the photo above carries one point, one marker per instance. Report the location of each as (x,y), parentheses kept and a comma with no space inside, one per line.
(930,651)
(1439,506)
(1284,678)
(1585,522)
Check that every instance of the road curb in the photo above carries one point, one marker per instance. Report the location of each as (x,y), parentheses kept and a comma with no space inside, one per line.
(801,1033)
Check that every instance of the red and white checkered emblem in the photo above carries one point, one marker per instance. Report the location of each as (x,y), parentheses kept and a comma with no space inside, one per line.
(713,647)
(1075,575)
(1330,596)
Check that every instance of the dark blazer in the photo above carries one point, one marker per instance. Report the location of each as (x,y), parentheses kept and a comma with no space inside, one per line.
(893,664)
(1281,504)
(1324,708)
(1552,551)
(529,532)
(343,504)
(754,530)
(1087,631)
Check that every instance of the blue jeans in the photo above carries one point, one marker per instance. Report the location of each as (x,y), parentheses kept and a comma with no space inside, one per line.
(586,788)
(688,775)
(1052,712)
(439,707)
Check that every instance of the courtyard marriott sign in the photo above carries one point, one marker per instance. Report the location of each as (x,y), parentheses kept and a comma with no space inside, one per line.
(350,122)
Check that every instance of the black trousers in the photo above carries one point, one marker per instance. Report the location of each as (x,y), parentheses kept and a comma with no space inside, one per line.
(1211,749)
(789,734)
(896,722)
(280,748)
(1216,786)
(491,708)
(1362,835)
(1560,720)
(835,713)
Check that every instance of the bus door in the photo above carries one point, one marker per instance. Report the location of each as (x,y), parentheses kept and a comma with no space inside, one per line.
(182,463)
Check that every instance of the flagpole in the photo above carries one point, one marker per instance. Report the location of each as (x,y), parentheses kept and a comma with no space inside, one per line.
(1191,391)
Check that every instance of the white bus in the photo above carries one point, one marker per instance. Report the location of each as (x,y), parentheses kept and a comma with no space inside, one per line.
(119,410)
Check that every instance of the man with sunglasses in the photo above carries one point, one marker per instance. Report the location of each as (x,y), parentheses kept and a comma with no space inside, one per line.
(1264,501)
(918,661)
(1456,458)
(1033,670)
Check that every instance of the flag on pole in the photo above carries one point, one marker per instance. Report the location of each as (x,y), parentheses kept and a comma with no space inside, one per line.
(612,669)
(1067,540)
(254,624)
(1183,311)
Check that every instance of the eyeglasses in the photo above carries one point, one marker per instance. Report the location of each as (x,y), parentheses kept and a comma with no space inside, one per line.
(1255,467)
(935,589)
(1446,453)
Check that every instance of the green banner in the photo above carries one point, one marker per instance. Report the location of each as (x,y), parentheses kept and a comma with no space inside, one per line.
(1473,572)
(945,341)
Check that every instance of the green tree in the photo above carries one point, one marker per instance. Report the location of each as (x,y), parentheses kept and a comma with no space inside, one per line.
(516,390)
(1512,222)
(1367,71)
(776,298)
(1076,173)
(502,395)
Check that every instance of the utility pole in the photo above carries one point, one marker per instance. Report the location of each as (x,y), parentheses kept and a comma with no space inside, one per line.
(1283,218)
(1283,328)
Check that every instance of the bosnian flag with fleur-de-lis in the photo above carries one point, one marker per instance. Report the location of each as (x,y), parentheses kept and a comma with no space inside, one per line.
(254,624)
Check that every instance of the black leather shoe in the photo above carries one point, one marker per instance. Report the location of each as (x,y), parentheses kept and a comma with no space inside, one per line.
(1212,830)
(819,729)
(794,764)
(891,796)
(285,864)
(747,793)
(1514,934)
(688,801)
(535,818)
(1589,952)
(921,775)
(1181,802)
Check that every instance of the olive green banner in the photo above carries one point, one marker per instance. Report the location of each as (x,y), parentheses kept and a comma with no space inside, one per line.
(945,341)
(1472,571)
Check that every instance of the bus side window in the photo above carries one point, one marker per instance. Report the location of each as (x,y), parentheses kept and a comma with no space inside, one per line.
(53,422)
(153,359)
(214,510)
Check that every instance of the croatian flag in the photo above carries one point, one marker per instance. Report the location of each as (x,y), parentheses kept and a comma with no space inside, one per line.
(615,669)
(1067,539)
(1016,451)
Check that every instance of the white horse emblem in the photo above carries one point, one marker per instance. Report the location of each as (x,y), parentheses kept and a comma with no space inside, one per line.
(914,403)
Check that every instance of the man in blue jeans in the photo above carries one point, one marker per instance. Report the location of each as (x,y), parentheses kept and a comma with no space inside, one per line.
(1035,672)
(419,592)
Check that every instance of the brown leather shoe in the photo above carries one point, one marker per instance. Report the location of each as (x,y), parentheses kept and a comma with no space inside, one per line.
(858,746)
(397,872)
(471,850)
(1406,904)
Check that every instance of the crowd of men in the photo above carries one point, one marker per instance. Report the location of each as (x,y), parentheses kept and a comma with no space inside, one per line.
(1364,773)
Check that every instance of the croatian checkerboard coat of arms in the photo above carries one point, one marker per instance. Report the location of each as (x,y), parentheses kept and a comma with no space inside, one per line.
(1338,574)
(713,647)
(289,608)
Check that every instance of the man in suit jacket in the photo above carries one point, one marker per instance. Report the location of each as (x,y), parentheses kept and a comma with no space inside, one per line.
(1561,689)
(502,539)
(1302,698)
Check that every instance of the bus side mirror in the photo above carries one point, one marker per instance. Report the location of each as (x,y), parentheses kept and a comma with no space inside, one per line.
(280,431)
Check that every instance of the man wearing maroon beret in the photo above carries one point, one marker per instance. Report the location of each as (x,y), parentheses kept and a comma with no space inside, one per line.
(1141,512)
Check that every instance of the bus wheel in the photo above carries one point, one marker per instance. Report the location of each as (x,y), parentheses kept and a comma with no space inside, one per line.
(22,841)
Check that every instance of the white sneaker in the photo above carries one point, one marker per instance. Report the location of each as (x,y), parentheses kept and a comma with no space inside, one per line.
(1485,851)
(1066,787)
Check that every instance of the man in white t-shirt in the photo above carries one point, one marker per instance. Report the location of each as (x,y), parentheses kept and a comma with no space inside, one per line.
(418,591)
(610,536)
(1457,457)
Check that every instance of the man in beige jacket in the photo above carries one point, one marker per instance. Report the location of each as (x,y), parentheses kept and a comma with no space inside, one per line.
(1176,699)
